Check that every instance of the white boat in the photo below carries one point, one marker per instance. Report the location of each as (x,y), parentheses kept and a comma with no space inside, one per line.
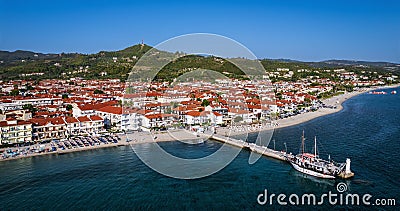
(311,172)
(313,165)
(378,93)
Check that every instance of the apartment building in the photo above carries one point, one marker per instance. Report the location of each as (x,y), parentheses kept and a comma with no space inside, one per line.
(14,131)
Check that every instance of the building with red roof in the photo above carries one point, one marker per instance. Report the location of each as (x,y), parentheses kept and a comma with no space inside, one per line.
(14,131)
(196,117)
(47,129)
(110,110)
(216,118)
(156,120)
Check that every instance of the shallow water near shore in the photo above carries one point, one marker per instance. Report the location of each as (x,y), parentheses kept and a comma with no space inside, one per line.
(366,130)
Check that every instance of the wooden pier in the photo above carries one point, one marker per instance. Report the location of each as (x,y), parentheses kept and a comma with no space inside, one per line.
(263,150)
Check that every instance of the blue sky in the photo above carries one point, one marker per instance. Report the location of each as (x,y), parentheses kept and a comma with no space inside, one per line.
(301,30)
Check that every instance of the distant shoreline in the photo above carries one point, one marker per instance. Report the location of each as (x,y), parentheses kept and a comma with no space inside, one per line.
(305,117)
(333,101)
(182,135)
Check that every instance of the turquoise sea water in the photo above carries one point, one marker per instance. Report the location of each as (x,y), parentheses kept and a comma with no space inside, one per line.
(367,130)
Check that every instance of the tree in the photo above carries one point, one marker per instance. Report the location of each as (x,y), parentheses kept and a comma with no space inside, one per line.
(14,92)
(64,96)
(279,96)
(238,119)
(307,100)
(97,91)
(205,103)
(29,87)
(29,107)
(69,107)
(174,104)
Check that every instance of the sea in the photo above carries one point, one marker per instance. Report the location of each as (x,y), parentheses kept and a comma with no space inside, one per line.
(367,131)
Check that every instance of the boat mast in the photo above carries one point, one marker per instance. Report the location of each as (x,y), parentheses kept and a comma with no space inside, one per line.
(302,143)
(315,146)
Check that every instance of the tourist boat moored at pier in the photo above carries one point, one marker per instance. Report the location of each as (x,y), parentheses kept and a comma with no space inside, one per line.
(313,165)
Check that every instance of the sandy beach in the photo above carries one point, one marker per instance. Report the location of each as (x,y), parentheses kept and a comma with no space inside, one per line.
(162,136)
(301,118)
(188,136)
(333,101)
(64,151)
(336,101)
(126,139)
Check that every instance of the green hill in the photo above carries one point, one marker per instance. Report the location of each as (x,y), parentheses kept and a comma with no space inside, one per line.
(118,64)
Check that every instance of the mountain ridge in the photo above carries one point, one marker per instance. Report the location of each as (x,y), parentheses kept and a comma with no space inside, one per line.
(106,64)
(26,54)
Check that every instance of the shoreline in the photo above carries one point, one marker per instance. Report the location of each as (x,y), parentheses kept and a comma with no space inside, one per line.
(139,138)
(305,117)
(64,151)
(184,135)
(333,101)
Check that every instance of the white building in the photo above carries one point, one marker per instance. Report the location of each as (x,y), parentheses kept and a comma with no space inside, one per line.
(197,117)
(15,131)
(216,118)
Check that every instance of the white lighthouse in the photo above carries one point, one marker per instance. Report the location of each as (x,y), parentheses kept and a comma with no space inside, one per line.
(348,171)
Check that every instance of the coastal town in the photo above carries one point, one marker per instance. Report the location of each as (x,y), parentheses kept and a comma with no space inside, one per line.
(65,114)
(199,105)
